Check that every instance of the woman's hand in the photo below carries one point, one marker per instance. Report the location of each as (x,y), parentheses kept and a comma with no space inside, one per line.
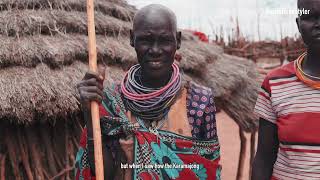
(91,88)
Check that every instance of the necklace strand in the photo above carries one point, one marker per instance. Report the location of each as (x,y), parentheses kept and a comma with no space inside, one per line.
(304,77)
(149,103)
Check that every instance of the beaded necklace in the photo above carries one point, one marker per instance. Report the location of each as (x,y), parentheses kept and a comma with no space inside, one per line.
(149,103)
(304,77)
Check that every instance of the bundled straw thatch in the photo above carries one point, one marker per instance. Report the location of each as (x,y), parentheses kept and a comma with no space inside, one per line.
(43,55)
(51,22)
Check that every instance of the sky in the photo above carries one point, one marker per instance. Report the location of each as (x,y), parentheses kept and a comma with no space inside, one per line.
(216,16)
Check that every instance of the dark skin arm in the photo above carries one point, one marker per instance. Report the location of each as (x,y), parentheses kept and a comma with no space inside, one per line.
(91,89)
(267,150)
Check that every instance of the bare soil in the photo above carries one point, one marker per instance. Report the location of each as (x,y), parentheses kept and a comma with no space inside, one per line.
(228,132)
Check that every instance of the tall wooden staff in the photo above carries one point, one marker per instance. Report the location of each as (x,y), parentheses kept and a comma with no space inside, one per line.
(98,157)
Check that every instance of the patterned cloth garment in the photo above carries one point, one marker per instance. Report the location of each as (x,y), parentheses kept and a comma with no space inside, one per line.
(182,157)
(295,108)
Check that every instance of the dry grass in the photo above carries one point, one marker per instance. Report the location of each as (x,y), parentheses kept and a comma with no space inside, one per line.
(196,55)
(237,79)
(59,51)
(52,22)
(115,8)
(41,93)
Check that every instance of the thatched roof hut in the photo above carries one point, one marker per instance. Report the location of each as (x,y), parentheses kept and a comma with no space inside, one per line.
(43,55)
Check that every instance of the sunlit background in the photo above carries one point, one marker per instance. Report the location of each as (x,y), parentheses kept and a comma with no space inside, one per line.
(215,17)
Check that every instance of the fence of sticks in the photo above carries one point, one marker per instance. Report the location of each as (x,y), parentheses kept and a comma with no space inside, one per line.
(43,54)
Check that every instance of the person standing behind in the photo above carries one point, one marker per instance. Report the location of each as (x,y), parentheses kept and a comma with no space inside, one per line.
(289,109)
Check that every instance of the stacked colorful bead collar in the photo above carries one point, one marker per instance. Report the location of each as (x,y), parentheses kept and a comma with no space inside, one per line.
(149,103)
(304,77)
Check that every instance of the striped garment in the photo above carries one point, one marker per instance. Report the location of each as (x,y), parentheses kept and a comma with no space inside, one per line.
(295,108)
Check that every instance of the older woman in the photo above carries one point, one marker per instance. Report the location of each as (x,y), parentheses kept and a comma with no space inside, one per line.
(153,120)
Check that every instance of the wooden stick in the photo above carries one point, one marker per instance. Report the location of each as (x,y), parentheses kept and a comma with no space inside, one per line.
(24,154)
(242,154)
(10,141)
(45,173)
(3,169)
(1,156)
(62,172)
(46,141)
(98,157)
(252,150)
(35,153)
(66,150)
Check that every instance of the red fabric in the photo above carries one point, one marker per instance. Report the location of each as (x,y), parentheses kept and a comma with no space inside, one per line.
(183,143)
(83,139)
(187,174)
(273,178)
(262,94)
(289,128)
(102,111)
(77,174)
(266,86)
(301,150)
(283,82)
(86,174)
(203,37)
(146,175)
(282,71)
(210,166)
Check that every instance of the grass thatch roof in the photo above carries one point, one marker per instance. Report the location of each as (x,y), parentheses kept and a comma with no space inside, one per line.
(43,55)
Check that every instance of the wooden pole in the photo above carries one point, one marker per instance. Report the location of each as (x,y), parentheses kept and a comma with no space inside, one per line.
(98,157)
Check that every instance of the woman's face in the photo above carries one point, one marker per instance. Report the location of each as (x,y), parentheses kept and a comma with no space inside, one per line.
(155,40)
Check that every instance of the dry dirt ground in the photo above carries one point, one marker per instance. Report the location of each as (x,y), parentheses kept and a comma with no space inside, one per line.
(228,133)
